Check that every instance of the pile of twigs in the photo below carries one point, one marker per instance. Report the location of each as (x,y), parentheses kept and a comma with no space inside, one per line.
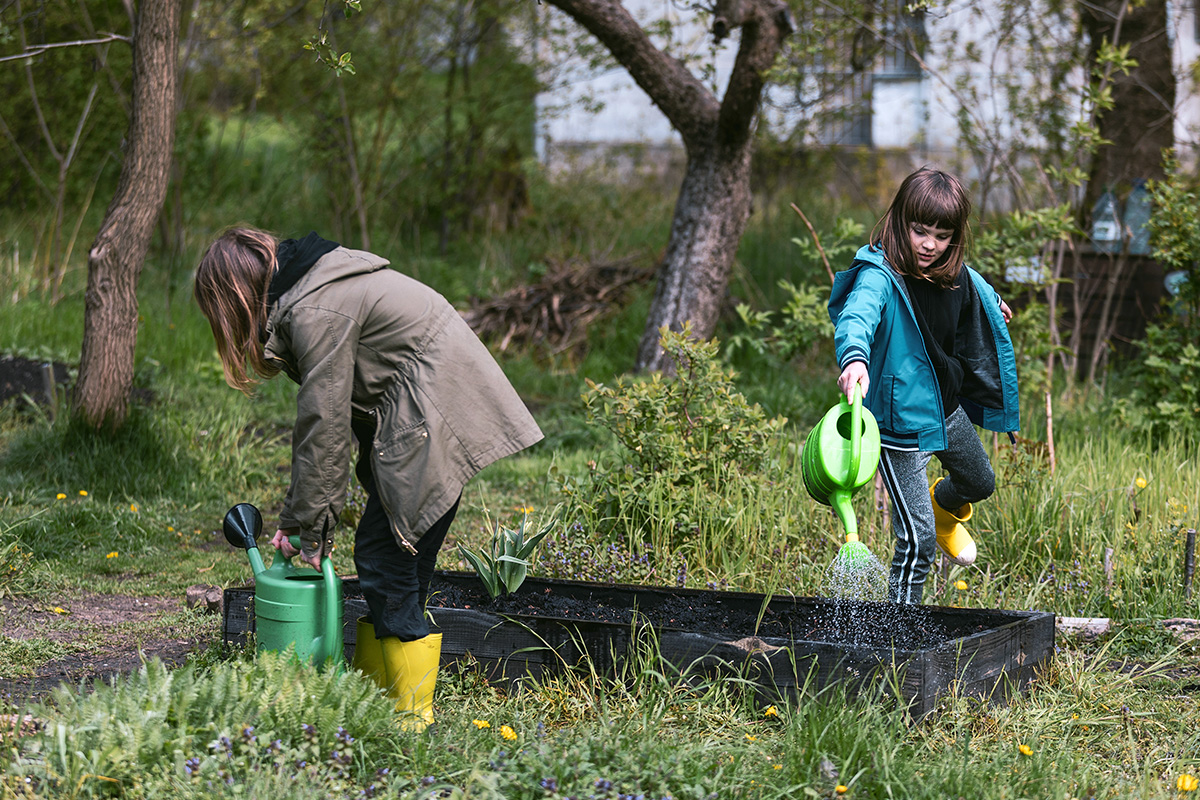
(555,312)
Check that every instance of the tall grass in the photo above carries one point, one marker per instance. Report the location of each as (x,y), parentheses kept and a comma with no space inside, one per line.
(271,727)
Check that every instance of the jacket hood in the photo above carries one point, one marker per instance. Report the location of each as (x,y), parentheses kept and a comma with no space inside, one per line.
(334,266)
(867,256)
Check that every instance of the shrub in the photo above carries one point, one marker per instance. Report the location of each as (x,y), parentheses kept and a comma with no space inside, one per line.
(698,470)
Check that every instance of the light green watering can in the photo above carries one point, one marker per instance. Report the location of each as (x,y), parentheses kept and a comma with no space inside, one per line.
(293,606)
(839,458)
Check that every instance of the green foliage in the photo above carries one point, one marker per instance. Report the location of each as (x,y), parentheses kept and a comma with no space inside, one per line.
(1024,243)
(1164,391)
(148,733)
(15,561)
(781,335)
(690,423)
(503,567)
(1022,240)
(837,249)
(700,477)
(1175,235)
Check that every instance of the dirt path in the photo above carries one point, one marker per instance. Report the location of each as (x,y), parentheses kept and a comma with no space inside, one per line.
(99,635)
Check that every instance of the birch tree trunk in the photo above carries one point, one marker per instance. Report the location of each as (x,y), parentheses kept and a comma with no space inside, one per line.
(116,257)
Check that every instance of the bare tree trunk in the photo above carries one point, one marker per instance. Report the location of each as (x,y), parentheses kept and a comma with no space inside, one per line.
(116,258)
(710,217)
(714,200)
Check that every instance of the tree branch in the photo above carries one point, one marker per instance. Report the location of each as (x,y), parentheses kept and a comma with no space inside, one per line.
(765,25)
(689,106)
(31,51)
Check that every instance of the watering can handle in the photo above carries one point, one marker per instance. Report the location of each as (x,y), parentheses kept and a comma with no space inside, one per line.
(855,436)
(333,608)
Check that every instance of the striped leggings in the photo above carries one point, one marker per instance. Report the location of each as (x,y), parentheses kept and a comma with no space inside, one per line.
(970,480)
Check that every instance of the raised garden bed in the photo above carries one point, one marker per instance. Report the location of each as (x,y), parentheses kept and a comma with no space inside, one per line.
(778,643)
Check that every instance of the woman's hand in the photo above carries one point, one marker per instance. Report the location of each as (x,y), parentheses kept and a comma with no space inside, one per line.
(1006,311)
(281,542)
(854,373)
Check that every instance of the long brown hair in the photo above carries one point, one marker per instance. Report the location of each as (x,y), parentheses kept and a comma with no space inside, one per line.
(231,290)
(935,199)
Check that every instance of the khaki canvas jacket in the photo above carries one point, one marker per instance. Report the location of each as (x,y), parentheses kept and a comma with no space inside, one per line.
(362,339)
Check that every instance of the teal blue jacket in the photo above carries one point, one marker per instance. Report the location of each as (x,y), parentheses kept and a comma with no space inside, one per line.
(874,323)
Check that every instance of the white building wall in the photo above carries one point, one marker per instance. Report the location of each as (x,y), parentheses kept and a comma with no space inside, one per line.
(899,114)
(919,114)
(625,115)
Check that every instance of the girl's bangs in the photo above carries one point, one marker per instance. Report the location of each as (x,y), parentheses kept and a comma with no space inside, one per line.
(937,209)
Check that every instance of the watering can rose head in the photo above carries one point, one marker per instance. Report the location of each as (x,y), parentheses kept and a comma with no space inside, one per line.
(504,564)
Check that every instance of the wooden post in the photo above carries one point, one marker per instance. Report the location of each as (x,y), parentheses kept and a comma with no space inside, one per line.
(1189,562)
(49,388)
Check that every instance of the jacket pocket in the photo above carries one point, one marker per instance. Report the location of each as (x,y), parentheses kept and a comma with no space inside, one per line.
(887,402)
(399,457)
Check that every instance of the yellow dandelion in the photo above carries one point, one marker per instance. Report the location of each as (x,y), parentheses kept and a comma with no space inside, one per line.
(133,507)
(778,766)
(1187,783)
(113,554)
(83,492)
(960,585)
(60,496)
(508,733)
(1026,750)
(60,610)
(170,529)
(481,723)
(1140,483)
(840,789)
(750,738)
(771,711)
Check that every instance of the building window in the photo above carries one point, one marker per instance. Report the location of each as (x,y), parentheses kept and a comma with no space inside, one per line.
(847,122)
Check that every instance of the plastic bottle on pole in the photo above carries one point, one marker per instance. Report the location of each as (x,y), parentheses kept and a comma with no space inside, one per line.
(1106,224)
(1137,215)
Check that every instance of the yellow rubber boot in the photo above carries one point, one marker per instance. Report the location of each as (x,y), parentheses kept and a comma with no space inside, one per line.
(952,535)
(368,654)
(412,674)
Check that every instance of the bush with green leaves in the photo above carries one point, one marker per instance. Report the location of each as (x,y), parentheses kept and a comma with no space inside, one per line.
(697,471)
(1164,388)
(783,334)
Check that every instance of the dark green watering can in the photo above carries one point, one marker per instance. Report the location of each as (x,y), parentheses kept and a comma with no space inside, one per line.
(839,458)
(292,606)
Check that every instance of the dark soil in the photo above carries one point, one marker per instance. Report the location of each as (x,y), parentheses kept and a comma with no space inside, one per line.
(22,378)
(27,383)
(846,623)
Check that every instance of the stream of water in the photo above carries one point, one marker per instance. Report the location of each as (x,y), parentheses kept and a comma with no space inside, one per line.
(861,615)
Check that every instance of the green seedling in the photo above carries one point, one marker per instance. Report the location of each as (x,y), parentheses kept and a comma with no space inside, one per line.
(503,567)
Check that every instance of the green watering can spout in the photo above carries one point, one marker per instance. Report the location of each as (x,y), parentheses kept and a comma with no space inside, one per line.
(243,524)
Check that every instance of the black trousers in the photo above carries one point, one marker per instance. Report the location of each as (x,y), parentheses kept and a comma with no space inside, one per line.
(394,581)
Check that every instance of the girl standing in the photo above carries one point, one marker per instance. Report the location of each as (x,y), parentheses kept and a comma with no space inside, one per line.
(385,360)
(926,339)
